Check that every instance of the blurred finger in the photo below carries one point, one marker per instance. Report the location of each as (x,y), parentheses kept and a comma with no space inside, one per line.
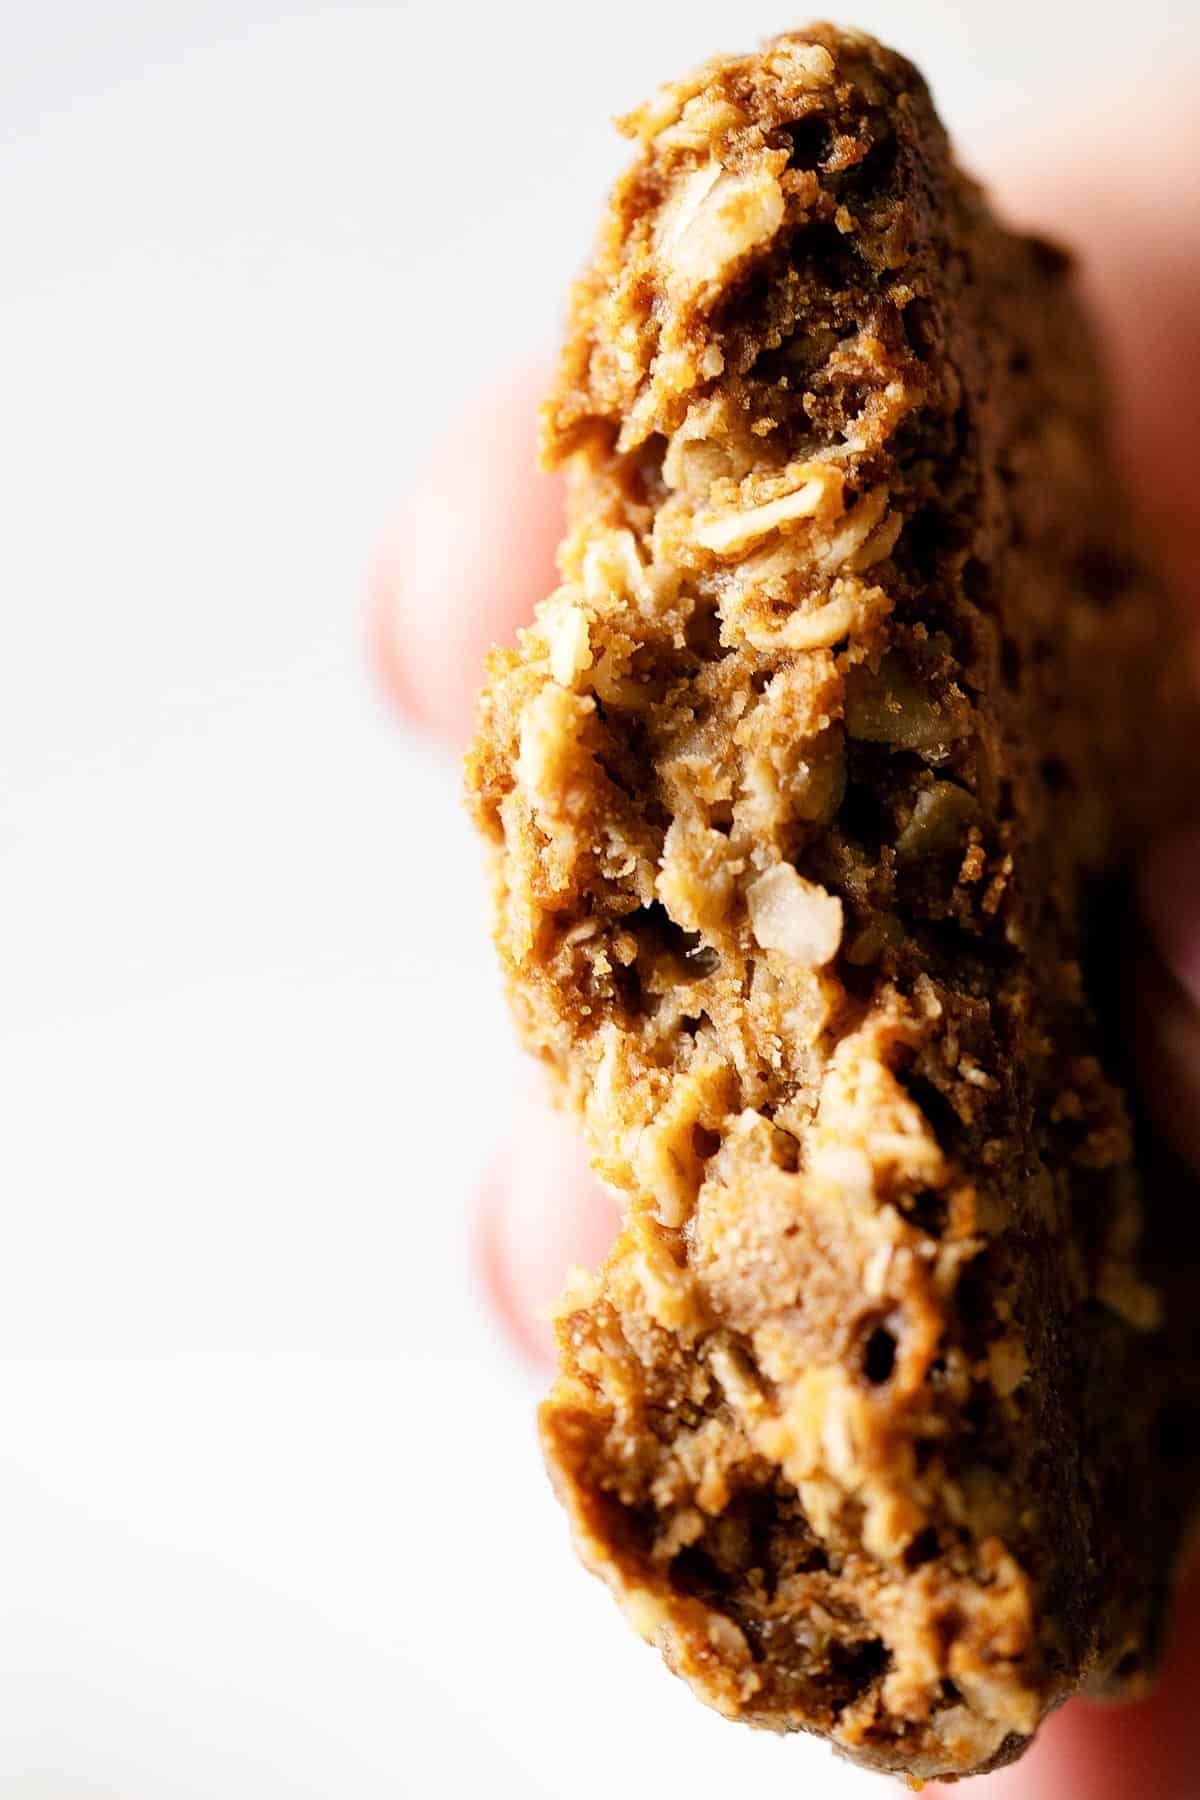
(542,1211)
(470,555)
(1106,183)
(1169,893)
(1166,1037)
(1166,993)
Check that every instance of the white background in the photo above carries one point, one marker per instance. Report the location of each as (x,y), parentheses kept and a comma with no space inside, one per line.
(271,1518)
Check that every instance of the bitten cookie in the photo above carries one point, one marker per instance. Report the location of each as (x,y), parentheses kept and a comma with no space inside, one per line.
(799,791)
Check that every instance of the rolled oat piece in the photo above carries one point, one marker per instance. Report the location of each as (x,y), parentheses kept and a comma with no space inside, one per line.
(800,789)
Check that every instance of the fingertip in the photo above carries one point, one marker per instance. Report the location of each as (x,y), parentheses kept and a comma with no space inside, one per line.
(500,1276)
(541,1211)
(1169,897)
(1136,229)
(383,626)
(470,555)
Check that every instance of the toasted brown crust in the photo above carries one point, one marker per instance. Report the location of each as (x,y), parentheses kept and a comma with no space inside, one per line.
(799,790)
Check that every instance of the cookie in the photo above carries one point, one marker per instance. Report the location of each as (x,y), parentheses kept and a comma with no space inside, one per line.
(806,792)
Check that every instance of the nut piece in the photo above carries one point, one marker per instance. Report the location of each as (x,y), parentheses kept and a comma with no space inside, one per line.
(796,916)
(895,707)
(940,817)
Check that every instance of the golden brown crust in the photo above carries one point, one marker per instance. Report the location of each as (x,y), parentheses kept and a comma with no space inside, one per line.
(854,686)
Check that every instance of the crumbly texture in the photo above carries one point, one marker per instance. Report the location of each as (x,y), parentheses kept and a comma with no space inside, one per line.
(800,790)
